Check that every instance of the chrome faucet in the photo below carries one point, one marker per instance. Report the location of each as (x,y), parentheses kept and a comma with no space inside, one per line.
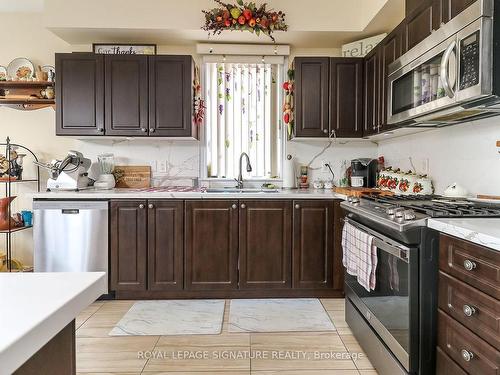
(249,169)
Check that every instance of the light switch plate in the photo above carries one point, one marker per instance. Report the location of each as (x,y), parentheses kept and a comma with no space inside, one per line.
(162,166)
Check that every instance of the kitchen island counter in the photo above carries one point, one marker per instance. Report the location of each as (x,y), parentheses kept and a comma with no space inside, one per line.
(36,308)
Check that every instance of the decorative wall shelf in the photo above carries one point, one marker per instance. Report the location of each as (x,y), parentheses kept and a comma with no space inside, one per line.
(24,95)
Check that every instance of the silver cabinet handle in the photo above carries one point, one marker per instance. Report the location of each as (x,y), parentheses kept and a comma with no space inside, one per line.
(243,205)
(144,130)
(469,265)
(325,131)
(151,205)
(466,355)
(297,206)
(141,206)
(151,130)
(234,206)
(469,310)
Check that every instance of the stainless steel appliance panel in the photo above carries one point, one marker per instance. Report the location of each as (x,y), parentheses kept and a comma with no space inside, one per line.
(70,236)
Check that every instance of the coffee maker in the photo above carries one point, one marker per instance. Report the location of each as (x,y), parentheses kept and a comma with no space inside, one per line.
(367,169)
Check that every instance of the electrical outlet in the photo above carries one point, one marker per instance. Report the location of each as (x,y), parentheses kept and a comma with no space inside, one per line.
(324,168)
(162,167)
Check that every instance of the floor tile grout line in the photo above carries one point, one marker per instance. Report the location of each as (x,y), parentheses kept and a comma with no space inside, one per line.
(90,316)
(154,347)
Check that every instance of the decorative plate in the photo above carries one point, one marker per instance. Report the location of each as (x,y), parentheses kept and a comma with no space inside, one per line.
(20,68)
(3,73)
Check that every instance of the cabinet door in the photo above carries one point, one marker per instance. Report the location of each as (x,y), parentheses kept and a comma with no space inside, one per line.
(165,245)
(311,96)
(211,244)
(422,21)
(126,95)
(371,93)
(313,244)
(265,244)
(346,97)
(391,49)
(170,96)
(452,8)
(128,245)
(79,94)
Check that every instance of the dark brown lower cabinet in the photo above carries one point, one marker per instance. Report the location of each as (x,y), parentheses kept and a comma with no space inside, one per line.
(313,244)
(211,244)
(165,245)
(265,244)
(128,245)
(217,248)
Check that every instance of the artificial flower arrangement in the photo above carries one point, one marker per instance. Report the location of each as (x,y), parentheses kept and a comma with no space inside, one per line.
(288,117)
(244,16)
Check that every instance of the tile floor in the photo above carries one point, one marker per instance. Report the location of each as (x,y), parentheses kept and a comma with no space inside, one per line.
(294,353)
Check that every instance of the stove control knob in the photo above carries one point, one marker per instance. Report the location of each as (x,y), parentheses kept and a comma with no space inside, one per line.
(409,215)
(390,211)
(355,201)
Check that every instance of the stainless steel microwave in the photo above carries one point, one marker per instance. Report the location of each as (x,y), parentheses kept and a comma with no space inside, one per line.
(450,76)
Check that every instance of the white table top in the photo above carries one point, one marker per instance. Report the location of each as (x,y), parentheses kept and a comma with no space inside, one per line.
(34,307)
(482,231)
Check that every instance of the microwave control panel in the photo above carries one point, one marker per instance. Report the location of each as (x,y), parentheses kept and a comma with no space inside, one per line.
(469,61)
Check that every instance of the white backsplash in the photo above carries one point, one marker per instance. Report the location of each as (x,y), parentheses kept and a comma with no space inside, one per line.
(464,153)
(304,151)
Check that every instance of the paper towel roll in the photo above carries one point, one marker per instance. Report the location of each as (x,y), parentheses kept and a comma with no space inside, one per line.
(289,180)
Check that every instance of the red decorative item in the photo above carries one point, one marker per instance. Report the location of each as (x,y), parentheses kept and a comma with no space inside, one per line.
(244,16)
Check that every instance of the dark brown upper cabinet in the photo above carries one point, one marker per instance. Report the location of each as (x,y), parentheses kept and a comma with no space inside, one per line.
(311,96)
(79,94)
(211,245)
(128,245)
(265,236)
(124,95)
(452,8)
(165,245)
(391,48)
(313,244)
(422,21)
(126,100)
(170,96)
(346,97)
(371,95)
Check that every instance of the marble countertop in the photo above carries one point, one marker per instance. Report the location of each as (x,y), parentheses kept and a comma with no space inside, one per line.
(138,194)
(482,231)
(36,306)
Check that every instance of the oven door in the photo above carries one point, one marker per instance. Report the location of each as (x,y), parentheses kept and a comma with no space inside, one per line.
(392,308)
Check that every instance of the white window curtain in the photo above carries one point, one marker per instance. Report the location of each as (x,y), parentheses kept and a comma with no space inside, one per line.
(242,115)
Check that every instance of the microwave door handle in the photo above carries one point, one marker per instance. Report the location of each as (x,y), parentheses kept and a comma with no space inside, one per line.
(444,71)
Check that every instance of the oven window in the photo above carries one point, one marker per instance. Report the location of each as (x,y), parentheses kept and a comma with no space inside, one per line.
(420,86)
(389,302)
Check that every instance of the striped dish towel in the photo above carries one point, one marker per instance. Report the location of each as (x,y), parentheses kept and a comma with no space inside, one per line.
(360,255)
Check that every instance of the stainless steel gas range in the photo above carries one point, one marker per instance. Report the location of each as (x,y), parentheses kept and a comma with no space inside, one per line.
(396,322)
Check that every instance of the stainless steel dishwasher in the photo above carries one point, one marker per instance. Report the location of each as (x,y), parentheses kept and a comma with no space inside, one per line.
(70,236)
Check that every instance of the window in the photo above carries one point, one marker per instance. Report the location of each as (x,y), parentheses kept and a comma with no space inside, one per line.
(243,115)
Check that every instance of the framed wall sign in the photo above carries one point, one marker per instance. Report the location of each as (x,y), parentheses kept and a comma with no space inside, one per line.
(124,49)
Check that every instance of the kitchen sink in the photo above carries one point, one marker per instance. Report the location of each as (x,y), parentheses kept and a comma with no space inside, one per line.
(240,191)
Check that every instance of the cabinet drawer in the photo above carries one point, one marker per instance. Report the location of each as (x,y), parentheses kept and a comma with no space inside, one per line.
(446,366)
(458,342)
(476,265)
(471,307)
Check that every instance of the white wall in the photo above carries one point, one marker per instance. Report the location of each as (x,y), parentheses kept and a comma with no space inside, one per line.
(464,153)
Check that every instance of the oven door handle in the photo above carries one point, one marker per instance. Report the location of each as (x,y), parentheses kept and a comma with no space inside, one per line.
(383,243)
(445,67)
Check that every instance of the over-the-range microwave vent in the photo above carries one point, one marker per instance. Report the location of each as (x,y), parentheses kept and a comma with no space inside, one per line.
(458,116)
